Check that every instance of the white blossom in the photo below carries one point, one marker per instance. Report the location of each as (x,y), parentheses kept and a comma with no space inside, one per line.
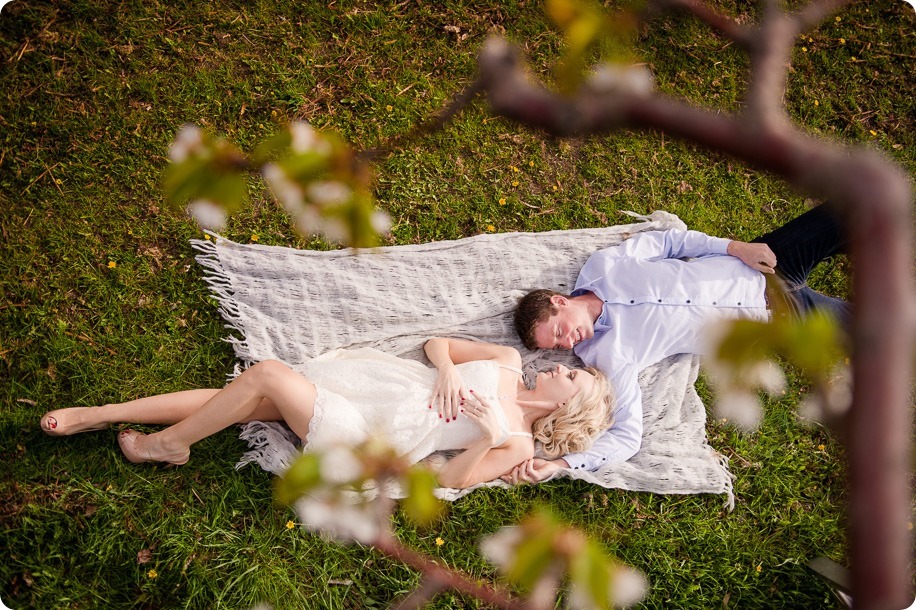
(287,191)
(189,140)
(328,192)
(380,221)
(305,139)
(338,519)
(615,78)
(334,230)
(499,548)
(626,587)
(629,586)
(339,465)
(767,375)
(740,407)
(308,221)
(207,214)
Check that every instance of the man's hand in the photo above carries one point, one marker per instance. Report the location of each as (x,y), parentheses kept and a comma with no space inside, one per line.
(534,470)
(756,256)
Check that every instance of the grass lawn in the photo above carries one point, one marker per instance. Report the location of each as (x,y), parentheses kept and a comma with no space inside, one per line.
(101,300)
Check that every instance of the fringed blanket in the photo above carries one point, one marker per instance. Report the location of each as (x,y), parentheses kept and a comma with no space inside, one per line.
(293,305)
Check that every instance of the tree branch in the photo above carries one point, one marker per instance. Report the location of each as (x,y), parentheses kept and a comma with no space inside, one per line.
(726,26)
(447,578)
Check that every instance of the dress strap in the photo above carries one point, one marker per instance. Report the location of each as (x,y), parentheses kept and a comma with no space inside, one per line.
(510,368)
(525,434)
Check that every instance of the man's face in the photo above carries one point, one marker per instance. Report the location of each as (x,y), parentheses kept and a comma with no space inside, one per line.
(570,325)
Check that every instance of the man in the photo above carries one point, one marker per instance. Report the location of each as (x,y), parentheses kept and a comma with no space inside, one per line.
(637,303)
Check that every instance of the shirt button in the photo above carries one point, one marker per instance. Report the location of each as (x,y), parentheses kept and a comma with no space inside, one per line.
(659,300)
(713,302)
(632,301)
(688,300)
(739,302)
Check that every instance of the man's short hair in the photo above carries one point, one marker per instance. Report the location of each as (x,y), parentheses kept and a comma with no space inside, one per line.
(533,308)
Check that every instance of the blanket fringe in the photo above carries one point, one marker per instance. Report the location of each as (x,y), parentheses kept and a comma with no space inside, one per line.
(273,446)
(222,290)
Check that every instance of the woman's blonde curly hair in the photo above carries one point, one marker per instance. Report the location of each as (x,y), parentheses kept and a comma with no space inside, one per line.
(575,427)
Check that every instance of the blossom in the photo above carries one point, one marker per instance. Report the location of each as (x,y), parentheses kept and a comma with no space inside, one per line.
(515,183)
(290,525)
(152,573)
(207,214)
(626,588)
(820,447)
(842,41)
(254,237)
(817,103)
(740,406)
(190,140)
(338,519)
(439,541)
(328,192)
(287,191)
(112,264)
(873,132)
(499,548)
(491,228)
(767,375)
(304,137)
(614,78)
(389,107)
(380,221)
(340,465)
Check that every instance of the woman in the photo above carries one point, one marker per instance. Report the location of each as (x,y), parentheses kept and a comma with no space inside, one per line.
(479,403)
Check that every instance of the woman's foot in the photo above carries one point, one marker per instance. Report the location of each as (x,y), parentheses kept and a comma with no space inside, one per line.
(64,422)
(135,447)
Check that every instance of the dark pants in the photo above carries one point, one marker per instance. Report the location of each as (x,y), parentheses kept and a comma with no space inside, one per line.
(799,246)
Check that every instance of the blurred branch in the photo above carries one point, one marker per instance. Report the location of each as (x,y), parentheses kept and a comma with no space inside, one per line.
(445,578)
(725,26)
(872,195)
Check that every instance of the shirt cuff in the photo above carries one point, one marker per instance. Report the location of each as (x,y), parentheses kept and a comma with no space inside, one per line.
(719,245)
(575,461)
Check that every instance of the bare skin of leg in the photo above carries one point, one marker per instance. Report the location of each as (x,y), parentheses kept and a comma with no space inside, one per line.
(268,391)
(165,409)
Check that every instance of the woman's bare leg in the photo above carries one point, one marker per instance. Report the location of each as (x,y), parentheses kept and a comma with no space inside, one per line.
(268,390)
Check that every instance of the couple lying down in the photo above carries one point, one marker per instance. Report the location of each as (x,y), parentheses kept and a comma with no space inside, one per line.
(474,400)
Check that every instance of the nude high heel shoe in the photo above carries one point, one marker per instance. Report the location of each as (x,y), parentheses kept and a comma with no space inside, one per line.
(127,440)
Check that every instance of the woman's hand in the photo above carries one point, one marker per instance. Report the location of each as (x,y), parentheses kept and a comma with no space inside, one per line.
(479,410)
(448,392)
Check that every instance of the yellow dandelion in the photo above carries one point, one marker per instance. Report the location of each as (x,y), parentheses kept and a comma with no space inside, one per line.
(207,237)
(152,574)
(852,59)
(502,201)
(439,541)
(112,264)
(491,228)
(820,447)
(837,19)
(759,568)
(515,183)
(804,49)
(254,237)
(810,40)
(872,132)
(389,107)
(273,113)
(554,187)
(842,41)
(817,103)
(290,525)
(531,164)
(513,168)
(58,181)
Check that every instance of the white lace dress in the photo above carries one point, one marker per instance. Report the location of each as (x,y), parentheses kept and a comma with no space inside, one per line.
(366,392)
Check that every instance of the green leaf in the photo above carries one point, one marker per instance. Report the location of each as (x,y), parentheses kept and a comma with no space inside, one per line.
(302,476)
(421,504)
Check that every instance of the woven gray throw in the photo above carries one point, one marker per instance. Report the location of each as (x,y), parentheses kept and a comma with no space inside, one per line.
(293,305)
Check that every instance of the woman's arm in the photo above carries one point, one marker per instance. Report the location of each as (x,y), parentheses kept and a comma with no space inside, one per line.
(484,461)
(444,353)
(480,462)
(441,350)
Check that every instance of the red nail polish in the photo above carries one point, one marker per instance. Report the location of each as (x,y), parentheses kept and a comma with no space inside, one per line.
(447,420)
(440,416)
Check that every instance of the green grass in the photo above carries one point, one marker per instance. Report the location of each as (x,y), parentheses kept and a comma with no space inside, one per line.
(93,92)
